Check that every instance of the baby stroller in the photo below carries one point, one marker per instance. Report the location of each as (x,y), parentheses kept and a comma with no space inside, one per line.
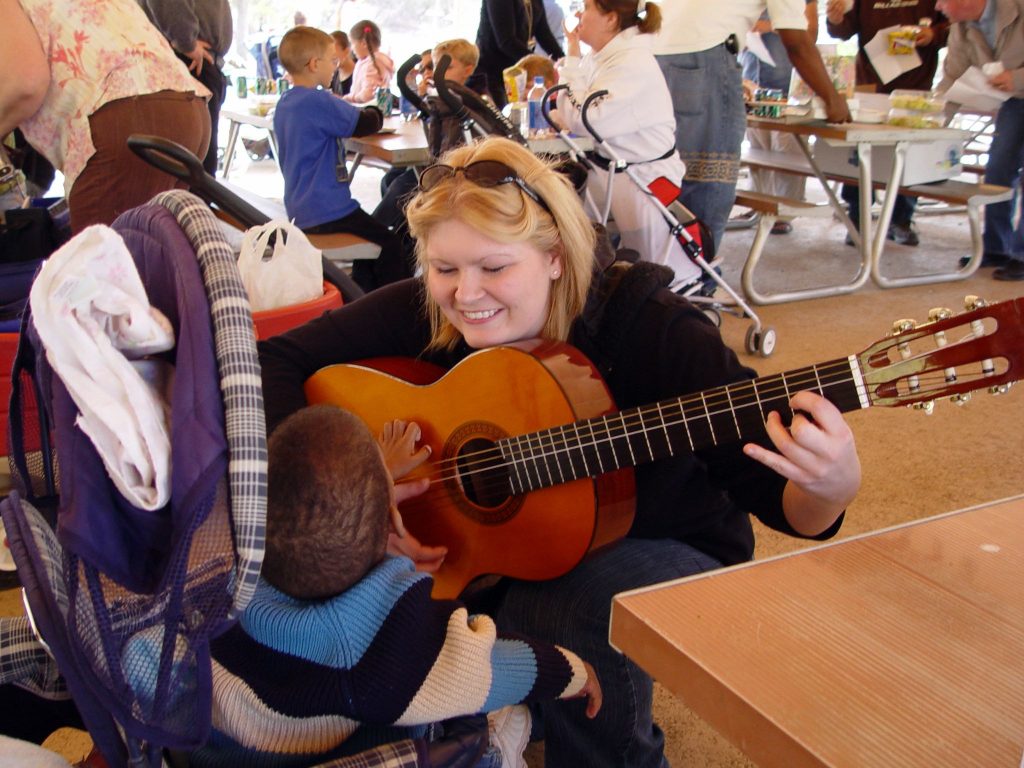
(124,601)
(457,115)
(683,225)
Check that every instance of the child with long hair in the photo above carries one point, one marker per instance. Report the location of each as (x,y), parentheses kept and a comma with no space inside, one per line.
(373,68)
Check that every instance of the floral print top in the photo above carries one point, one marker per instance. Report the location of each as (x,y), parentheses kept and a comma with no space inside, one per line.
(99,51)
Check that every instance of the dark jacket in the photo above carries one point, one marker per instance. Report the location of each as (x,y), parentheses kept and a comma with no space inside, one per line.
(649,344)
(869,16)
(504,34)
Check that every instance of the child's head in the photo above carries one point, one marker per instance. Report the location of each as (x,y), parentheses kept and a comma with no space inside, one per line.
(535,65)
(342,47)
(328,501)
(307,54)
(365,36)
(464,56)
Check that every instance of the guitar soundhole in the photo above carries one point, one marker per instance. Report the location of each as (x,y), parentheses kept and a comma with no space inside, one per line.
(480,483)
(482,473)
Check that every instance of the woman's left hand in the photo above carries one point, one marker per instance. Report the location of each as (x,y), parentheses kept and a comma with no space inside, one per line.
(817,454)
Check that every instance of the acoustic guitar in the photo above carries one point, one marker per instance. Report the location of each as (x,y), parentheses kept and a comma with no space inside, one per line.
(531,463)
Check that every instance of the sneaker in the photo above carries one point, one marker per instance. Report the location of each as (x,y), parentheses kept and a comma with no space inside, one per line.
(903,234)
(781,228)
(987,260)
(510,732)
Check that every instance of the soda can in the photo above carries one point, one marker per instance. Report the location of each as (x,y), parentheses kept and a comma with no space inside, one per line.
(242,86)
(282,85)
(383,98)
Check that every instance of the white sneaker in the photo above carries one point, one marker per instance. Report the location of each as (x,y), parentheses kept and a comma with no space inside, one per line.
(509,729)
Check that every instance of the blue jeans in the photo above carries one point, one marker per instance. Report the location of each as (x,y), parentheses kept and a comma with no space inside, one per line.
(573,611)
(707,95)
(1005,159)
(902,210)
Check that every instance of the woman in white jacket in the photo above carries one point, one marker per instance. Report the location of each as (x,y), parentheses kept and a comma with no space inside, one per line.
(635,118)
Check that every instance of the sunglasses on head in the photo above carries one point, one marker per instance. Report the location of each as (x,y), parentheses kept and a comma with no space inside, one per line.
(483,173)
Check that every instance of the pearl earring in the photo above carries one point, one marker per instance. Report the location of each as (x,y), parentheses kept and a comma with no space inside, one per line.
(555,274)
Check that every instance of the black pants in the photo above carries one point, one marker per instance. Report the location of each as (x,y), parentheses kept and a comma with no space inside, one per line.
(32,718)
(396,261)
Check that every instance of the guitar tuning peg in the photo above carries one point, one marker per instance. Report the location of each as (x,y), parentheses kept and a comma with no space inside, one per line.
(904,325)
(974,302)
(939,313)
(1000,389)
(928,406)
(962,398)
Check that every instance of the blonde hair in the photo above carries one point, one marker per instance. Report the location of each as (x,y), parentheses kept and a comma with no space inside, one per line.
(460,50)
(535,65)
(299,45)
(504,213)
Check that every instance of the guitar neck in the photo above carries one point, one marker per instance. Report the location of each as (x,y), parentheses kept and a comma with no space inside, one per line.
(728,414)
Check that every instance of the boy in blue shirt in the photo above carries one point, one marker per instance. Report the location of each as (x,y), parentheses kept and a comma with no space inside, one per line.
(311,125)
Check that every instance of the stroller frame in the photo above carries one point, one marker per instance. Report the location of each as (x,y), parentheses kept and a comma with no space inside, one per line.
(760,339)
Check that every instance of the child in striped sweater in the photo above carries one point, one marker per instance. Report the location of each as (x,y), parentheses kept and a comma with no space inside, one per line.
(342,648)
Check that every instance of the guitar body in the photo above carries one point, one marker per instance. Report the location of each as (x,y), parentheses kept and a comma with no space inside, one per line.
(493,394)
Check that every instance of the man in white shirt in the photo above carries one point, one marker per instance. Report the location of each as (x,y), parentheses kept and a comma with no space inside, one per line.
(696,50)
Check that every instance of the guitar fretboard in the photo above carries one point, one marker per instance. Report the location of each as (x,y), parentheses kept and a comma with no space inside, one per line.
(685,424)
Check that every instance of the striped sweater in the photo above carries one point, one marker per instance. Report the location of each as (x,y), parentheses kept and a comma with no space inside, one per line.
(296,681)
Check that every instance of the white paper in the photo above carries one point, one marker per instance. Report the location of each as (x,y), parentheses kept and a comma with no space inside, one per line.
(972,90)
(757,47)
(887,66)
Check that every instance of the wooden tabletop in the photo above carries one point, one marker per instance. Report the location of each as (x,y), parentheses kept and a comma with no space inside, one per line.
(900,648)
(402,145)
(857,132)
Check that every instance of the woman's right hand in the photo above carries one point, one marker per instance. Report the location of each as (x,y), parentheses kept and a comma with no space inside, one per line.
(572,39)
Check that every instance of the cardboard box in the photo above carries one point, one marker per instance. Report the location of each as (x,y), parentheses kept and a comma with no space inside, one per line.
(926,161)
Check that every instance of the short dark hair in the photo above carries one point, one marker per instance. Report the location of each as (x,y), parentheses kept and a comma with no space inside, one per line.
(328,501)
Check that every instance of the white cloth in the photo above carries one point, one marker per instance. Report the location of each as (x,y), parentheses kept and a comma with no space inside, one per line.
(92,314)
(688,26)
(15,753)
(637,122)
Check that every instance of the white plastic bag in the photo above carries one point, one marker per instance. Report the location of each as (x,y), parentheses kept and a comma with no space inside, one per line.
(279,266)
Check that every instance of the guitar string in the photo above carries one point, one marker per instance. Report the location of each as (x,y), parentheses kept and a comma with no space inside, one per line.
(619,428)
(436,494)
(553,449)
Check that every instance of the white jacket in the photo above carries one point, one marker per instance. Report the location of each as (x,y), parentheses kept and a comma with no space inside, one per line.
(637,120)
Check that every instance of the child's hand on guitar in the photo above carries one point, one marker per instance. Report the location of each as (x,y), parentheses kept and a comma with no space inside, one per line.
(592,691)
(398,441)
(426,559)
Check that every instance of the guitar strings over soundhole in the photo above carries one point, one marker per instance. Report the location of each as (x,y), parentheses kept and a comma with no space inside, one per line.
(480,484)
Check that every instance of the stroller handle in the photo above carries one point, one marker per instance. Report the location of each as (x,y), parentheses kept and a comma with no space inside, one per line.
(170,157)
(454,102)
(583,114)
(545,105)
(403,86)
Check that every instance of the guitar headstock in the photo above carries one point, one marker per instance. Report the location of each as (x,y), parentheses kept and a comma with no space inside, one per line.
(949,355)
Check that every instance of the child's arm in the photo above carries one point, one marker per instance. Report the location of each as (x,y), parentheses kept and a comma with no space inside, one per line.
(370,121)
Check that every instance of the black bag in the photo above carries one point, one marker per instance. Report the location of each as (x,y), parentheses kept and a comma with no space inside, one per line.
(29,234)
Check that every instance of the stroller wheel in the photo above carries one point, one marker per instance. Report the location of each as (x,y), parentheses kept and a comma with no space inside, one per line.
(760,342)
(713,315)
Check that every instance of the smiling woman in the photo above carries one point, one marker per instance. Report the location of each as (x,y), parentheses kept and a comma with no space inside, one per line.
(498,268)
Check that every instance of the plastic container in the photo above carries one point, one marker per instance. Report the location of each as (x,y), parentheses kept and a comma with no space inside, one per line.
(271,322)
(922,102)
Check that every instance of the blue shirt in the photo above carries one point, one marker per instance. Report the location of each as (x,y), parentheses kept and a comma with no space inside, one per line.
(308,124)
(987,24)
